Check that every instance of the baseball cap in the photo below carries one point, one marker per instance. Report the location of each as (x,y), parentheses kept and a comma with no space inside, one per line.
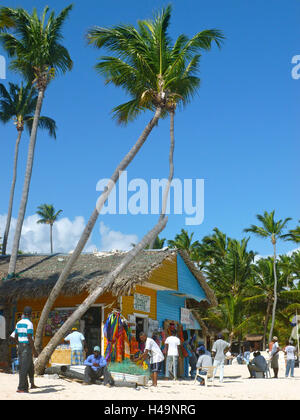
(97,348)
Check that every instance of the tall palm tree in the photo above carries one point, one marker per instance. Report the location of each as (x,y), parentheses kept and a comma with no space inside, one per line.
(18,104)
(273,230)
(48,217)
(34,45)
(154,74)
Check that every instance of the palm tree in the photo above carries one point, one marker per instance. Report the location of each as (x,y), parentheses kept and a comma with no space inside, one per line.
(293,235)
(212,247)
(153,72)
(273,230)
(261,289)
(48,217)
(184,241)
(230,316)
(229,274)
(33,44)
(18,104)
(157,244)
(155,75)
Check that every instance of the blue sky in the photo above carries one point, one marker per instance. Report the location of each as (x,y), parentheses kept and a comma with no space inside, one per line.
(240,134)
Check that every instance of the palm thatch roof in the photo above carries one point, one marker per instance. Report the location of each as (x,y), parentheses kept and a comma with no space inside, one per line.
(37,274)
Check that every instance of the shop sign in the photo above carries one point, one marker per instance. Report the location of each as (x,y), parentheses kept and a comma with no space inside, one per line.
(185,316)
(142,302)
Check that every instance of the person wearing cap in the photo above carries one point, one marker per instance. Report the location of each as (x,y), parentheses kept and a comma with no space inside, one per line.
(203,363)
(77,344)
(24,338)
(96,367)
(275,356)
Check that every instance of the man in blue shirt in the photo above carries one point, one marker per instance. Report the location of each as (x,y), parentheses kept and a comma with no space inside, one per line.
(96,367)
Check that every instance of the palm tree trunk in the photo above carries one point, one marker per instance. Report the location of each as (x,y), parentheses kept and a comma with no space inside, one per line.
(266,323)
(171,171)
(275,295)
(89,227)
(12,193)
(51,239)
(105,284)
(24,199)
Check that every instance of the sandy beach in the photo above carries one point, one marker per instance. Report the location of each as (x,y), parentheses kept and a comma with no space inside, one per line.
(236,386)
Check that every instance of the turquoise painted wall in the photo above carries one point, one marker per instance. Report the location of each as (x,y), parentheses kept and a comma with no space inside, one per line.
(168,306)
(187,283)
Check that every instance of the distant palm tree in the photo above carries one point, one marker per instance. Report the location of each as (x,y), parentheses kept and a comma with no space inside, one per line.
(293,235)
(184,241)
(18,104)
(261,289)
(34,45)
(273,230)
(48,217)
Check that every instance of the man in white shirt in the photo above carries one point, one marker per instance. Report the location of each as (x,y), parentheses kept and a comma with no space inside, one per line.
(275,356)
(290,352)
(218,352)
(172,343)
(77,344)
(156,357)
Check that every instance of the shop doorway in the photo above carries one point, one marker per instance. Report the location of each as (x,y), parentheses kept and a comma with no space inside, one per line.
(141,325)
(92,327)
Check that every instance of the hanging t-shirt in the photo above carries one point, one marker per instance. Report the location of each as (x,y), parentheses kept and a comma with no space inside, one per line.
(173,343)
(2,327)
(155,352)
(290,352)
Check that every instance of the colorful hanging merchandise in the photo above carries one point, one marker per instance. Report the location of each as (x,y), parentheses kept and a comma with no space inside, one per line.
(117,338)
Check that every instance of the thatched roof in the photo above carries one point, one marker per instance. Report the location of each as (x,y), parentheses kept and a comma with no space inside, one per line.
(37,274)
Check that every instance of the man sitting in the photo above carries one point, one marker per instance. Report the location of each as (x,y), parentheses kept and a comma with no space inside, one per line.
(203,362)
(96,367)
(257,364)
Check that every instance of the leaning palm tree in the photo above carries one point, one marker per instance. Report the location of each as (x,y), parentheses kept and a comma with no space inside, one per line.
(48,217)
(155,75)
(34,45)
(273,230)
(17,104)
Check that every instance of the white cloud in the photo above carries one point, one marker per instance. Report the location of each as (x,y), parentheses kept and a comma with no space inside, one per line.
(113,240)
(36,237)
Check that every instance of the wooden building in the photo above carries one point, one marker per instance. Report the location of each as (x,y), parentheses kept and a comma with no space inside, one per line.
(157,286)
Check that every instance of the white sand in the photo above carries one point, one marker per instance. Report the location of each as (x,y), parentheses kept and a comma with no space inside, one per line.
(236,386)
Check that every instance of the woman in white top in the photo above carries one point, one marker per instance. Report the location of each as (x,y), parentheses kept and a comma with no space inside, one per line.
(156,356)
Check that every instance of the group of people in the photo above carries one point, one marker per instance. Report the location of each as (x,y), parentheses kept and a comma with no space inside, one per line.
(259,364)
(96,365)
